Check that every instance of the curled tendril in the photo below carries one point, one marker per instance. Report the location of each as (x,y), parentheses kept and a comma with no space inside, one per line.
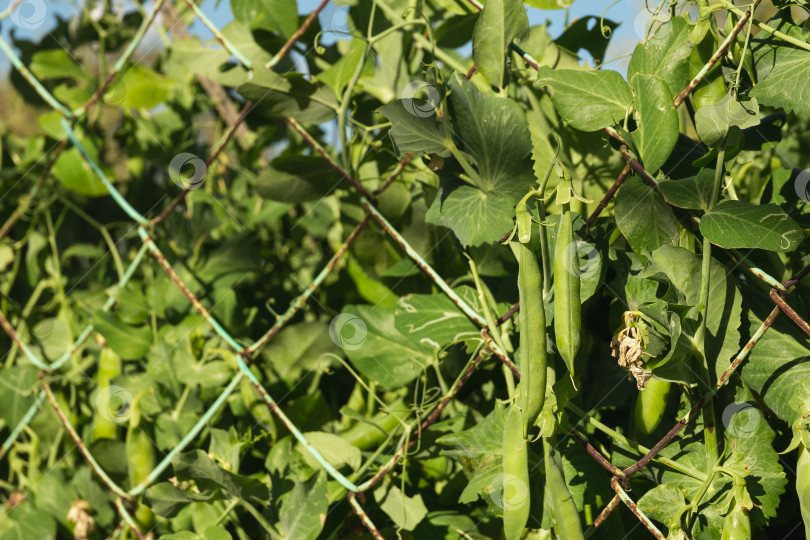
(605,29)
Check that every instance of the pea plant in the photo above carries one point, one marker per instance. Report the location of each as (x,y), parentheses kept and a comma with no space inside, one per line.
(405,269)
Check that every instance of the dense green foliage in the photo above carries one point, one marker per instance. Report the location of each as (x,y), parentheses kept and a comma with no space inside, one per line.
(350,239)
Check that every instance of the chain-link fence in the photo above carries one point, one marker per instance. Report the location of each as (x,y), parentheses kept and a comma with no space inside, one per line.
(147,226)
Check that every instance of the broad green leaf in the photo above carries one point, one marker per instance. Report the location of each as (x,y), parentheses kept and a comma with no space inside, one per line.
(720,123)
(500,22)
(663,503)
(166,499)
(293,95)
(338,75)
(777,368)
(24,522)
(694,193)
(549,4)
(19,388)
(748,433)
(139,88)
(279,16)
(377,349)
(208,476)
(406,512)
(57,64)
(75,174)
(370,289)
(129,342)
(433,319)
(299,347)
(296,179)
(303,510)
(737,224)
(337,451)
(495,133)
(643,217)
(590,33)
(414,129)
(665,54)
(658,121)
(588,100)
(783,70)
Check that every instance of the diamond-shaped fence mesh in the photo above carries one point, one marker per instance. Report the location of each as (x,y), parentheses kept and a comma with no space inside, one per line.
(147,227)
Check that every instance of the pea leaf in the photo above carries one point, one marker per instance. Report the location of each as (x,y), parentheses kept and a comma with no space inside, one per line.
(406,512)
(587,33)
(737,224)
(664,54)
(643,217)
(293,95)
(377,348)
(727,117)
(415,129)
(433,319)
(129,342)
(495,133)
(500,22)
(658,121)
(296,179)
(663,503)
(303,510)
(75,174)
(783,70)
(588,100)
(693,193)
(279,16)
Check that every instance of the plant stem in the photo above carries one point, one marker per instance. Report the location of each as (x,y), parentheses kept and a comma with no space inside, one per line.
(770,29)
(709,431)
(640,449)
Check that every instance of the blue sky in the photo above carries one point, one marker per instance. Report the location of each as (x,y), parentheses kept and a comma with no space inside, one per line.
(626,12)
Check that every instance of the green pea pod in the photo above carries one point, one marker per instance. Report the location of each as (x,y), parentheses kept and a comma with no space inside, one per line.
(737,525)
(532,317)
(367,435)
(515,490)
(140,462)
(109,367)
(712,88)
(565,510)
(803,486)
(524,223)
(567,306)
(650,406)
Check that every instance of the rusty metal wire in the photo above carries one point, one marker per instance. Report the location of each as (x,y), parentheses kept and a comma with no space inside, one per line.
(124,499)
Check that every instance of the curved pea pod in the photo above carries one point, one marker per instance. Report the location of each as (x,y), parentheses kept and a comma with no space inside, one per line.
(565,510)
(366,435)
(532,318)
(650,406)
(737,525)
(803,486)
(567,306)
(109,367)
(712,88)
(515,489)
(140,463)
